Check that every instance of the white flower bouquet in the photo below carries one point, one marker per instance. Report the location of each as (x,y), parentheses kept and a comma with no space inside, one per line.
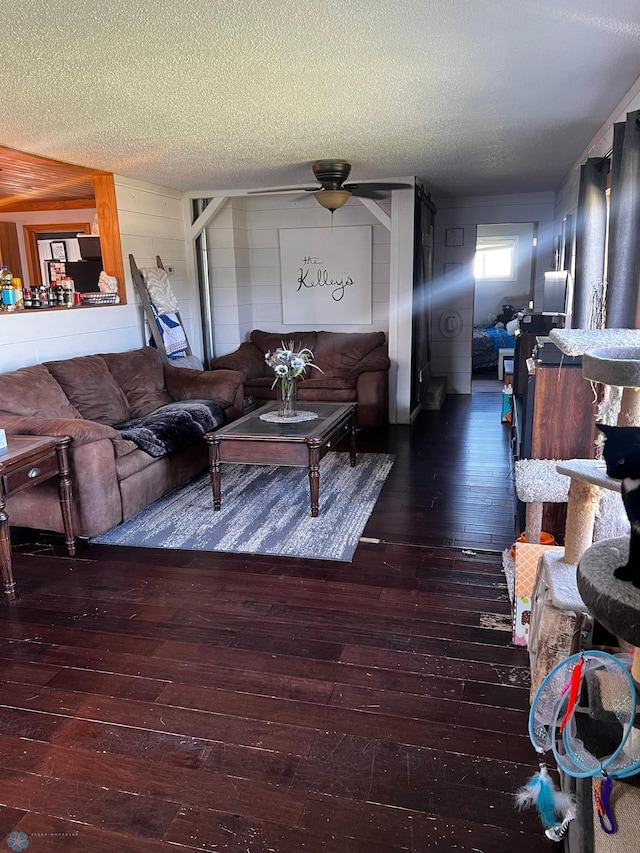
(288,364)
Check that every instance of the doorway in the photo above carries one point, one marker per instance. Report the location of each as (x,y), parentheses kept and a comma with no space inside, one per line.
(53,243)
(504,270)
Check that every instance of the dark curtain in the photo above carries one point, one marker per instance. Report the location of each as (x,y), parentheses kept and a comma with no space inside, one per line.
(422,275)
(623,273)
(591,228)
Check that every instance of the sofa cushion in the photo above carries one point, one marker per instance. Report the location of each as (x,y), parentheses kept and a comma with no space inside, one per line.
(132,463)
(270,341)
(325,389)
(123,447)
(140,376)
(308,394)
(339,353)
(91,388)
(318,381)
(33,392)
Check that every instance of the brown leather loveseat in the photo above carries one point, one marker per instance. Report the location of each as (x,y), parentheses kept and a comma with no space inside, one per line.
(86,397)
(355,368)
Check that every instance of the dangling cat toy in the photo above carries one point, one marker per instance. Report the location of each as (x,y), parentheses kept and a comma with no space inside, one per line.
(622,455)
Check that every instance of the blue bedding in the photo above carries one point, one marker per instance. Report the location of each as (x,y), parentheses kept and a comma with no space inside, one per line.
(486,342)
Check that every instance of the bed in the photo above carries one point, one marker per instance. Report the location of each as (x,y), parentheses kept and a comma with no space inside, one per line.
(487,340)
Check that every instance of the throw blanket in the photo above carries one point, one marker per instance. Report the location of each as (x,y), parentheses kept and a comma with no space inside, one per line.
(172,427)
(173,335)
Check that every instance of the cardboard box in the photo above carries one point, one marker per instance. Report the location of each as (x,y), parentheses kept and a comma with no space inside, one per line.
(526,572)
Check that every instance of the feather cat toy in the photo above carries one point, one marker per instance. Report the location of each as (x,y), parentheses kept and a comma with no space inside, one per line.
(622,455)
(556,809)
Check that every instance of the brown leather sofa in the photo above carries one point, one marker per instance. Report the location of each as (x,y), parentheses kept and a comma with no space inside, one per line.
(355,368)
(112,478)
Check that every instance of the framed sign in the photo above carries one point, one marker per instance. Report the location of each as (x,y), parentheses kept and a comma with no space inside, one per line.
(326,275)
(454,237)
(58,250)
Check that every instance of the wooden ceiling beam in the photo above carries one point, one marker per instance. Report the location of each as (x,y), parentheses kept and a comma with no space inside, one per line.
(16,206)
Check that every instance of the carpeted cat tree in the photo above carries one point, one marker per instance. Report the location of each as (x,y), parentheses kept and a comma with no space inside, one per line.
(615,603)
(560,617)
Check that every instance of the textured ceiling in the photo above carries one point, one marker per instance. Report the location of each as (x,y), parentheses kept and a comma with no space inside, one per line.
(472,96)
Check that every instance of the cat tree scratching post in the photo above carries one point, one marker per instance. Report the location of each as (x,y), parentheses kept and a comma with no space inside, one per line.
(537,483)
(614,603)
(588,476)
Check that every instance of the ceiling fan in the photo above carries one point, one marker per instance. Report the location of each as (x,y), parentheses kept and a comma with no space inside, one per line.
(333,192)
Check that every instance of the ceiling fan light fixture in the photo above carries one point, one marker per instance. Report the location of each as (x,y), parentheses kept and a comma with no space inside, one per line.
(332,199)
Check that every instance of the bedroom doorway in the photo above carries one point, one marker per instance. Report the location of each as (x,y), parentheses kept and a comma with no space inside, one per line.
(503,272)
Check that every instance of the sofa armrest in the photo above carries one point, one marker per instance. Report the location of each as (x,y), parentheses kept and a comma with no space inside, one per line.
(80,430)
(222,386)
(372,394)
(247,359)
(377,359)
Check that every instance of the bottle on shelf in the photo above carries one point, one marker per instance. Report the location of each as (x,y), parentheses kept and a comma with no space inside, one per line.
(8,293)
(67,290)
(16,283)
(27,298)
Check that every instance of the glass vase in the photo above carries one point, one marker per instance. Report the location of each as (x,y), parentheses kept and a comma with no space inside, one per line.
(287,398)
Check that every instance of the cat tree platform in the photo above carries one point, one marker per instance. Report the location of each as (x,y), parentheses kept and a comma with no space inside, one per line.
(577,342)
(618,366)
(614,603)
(537,483)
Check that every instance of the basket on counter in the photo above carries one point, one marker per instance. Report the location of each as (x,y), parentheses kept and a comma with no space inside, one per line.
(98,298)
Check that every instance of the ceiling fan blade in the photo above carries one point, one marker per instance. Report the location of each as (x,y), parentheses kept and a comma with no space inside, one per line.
(364,192)
(284,190)
(359,189)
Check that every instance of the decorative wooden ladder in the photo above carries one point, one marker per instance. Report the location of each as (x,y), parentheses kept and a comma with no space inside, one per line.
(143,293)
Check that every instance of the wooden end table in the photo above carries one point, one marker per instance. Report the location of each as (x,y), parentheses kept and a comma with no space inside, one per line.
(30,460)
(251,440)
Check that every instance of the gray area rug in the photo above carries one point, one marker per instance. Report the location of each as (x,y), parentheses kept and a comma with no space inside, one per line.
(265,510)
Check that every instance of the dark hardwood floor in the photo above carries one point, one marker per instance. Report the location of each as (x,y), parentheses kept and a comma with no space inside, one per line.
(170,700)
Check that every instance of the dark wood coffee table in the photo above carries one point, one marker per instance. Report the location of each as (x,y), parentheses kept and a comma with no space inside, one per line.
(253,441)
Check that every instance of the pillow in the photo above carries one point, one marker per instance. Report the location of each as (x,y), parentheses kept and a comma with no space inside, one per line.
(340,353)
(91,388)
(140,375)
(33,392)
(270,341)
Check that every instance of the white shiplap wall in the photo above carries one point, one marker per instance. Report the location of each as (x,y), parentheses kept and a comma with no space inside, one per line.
(244,263)
(151,223)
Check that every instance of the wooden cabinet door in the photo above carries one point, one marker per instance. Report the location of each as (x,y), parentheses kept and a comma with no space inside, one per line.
(10,248)
(563,414)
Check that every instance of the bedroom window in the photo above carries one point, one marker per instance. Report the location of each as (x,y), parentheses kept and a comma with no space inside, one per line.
(496,258)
